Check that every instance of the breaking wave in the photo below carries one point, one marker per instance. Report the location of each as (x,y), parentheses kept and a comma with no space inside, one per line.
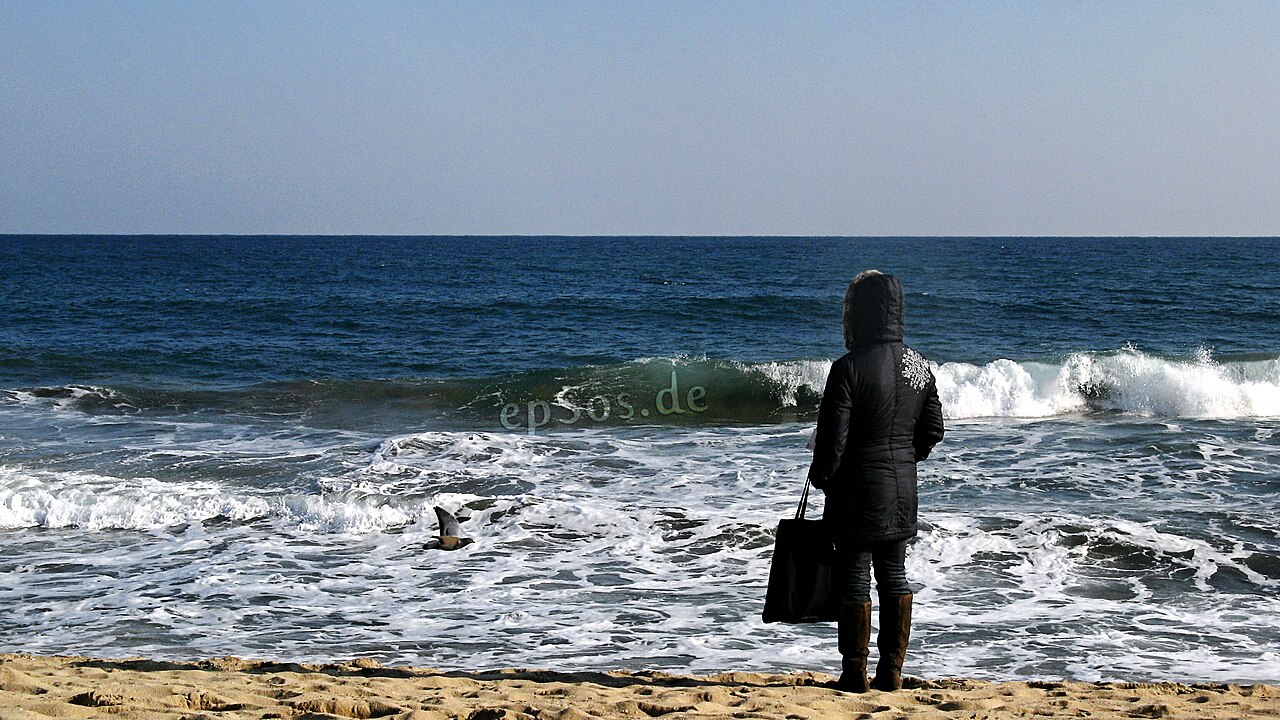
(657,390)
(1126,381)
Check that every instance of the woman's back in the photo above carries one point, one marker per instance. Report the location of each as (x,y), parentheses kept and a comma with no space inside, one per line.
(880,414)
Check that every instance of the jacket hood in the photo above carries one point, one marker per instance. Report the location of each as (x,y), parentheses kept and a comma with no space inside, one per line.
(872,310)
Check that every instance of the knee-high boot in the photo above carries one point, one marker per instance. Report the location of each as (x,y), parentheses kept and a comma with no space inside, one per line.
(895,633)
(854,633)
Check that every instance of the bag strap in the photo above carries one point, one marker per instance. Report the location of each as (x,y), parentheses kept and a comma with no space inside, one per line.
(804,500)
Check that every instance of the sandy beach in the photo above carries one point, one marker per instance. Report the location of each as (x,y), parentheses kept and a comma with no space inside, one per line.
(82,687)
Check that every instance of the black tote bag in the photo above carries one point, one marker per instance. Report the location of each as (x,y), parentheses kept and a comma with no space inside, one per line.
(805,579)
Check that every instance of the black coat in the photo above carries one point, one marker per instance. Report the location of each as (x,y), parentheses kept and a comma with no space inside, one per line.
(880,415)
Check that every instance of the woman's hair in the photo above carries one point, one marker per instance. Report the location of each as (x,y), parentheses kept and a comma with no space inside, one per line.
(847,314)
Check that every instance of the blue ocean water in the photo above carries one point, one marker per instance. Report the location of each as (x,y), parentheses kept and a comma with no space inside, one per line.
(214,445)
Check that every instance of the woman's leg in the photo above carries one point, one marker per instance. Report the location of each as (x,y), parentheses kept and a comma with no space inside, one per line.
(857,562)
(895,613)
(854,629)
(890,560)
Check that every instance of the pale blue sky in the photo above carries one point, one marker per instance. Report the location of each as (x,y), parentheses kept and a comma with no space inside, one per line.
(886,118)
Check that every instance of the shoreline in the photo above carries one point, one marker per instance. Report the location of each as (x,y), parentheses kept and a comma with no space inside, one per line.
(36,686)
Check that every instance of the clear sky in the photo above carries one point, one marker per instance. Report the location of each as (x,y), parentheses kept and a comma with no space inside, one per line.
(867,118)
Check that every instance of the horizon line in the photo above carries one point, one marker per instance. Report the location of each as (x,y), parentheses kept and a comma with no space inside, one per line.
(633,236)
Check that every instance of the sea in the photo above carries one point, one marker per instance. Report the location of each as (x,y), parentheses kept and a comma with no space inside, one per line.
(233,446)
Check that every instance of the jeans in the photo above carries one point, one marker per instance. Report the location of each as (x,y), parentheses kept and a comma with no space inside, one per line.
(889,560)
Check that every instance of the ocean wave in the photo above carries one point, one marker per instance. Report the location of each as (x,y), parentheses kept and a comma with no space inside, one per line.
(702,391)
(668,390)
(1126,381)
(73,396)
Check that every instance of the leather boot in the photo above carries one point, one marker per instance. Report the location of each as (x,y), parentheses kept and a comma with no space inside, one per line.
(854,633)
(895,633)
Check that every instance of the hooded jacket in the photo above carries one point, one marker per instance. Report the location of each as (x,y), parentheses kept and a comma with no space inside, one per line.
(879,416)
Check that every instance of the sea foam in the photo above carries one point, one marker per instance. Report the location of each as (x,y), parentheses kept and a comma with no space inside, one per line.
(91,501)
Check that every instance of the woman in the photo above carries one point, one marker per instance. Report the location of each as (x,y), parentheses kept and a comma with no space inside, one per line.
(880,415)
